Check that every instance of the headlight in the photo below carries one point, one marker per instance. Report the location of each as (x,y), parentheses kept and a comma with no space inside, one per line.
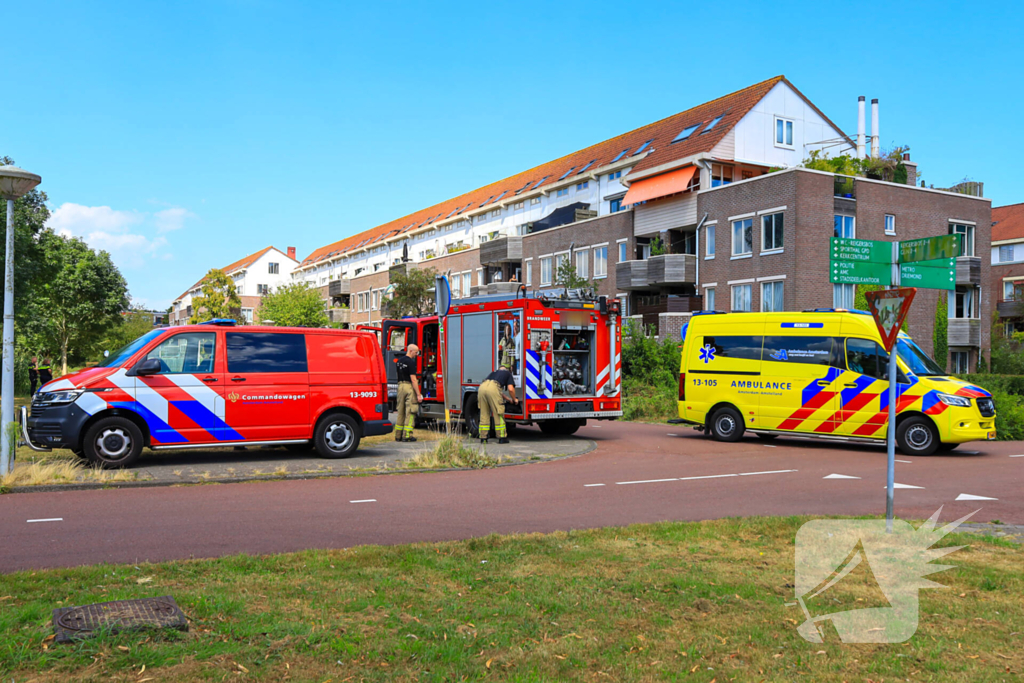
(69,396)
(951,400)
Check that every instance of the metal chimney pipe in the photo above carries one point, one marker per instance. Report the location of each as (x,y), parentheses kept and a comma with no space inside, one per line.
(874,128)
(860,127)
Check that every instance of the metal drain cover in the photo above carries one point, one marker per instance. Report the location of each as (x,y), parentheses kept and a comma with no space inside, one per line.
(117,616)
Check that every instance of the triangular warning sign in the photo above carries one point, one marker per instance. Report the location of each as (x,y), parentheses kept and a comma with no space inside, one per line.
(889,307)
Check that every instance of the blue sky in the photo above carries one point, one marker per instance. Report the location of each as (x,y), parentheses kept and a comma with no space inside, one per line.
(182,136)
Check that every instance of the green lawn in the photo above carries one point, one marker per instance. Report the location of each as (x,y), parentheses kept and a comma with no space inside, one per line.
(672,601)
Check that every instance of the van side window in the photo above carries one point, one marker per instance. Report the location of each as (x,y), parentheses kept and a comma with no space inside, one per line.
(748,348)
(397,338)
(266,352)
(806,350)
(187,353)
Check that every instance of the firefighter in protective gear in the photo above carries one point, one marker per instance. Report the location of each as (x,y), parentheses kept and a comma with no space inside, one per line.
(492,403)
(409,396)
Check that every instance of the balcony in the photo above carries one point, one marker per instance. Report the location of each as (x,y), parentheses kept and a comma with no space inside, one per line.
(398,270)
(964,332)
(502,250)
(1010,308)
(968,270)
(631,275)
(339,287)
(339,315)
(843,187)
(666,270)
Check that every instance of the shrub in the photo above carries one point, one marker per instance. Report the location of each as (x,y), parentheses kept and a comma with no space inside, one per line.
(650,376)
(1008,393)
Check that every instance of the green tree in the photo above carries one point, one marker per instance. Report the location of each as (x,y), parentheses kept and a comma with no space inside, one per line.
(82,298)
(567,277)
(30,216)
(941,332)
(217,298)
(293,305)
(412,293)
(134,322)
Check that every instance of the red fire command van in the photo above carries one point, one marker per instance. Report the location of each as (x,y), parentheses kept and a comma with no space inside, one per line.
(564,353)
(215,384)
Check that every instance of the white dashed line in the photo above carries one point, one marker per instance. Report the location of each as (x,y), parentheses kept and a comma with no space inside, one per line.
(368,500)
(588,485)
(671,435)
(647,481)
(768,445)
(709,476)
(706,476)
(749,474)
(909,462)
(1017,456)
(48,519)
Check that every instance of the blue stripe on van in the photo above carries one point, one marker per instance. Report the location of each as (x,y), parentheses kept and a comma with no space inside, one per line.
(803,325)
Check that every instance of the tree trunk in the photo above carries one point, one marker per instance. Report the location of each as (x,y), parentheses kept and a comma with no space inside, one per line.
(64,357)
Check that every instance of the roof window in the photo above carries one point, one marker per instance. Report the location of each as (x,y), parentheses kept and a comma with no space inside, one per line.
(642,147)
(566,174)
(619,155)
(589,164)
(541,182)
(714,122)
(689,130)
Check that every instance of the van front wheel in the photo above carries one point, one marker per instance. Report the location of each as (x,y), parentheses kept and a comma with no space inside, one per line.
(727,425)
(917,436)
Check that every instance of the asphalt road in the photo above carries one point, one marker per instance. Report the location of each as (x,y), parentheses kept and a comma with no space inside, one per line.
(638,473)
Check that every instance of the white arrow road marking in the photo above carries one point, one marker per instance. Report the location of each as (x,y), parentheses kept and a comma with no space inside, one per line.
(48,519)
(368,500)
(840,476)
(905,486)
(968,496)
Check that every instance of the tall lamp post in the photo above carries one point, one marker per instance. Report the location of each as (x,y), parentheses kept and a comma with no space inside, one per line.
(14,182)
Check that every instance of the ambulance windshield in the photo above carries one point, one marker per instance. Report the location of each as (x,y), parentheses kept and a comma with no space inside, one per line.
(917,360)
(125,352)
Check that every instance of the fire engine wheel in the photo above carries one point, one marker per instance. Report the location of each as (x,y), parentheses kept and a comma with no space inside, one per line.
(727,425)
(113,442)
(337,436)
(917,436)
(560,427)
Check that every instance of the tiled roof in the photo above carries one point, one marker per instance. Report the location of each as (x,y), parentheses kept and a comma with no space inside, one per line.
(237,265)
(1007,222)
(660,150)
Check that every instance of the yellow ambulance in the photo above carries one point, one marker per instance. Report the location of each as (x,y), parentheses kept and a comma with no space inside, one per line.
(821,373)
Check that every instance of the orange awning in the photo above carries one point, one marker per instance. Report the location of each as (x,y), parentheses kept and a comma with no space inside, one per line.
(659,186)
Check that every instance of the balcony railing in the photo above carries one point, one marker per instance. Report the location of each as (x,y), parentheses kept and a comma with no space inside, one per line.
(339,287)
(339,315)
(963,332)
(656,272)
(1010,308)
(843,186)
(502,250)
(968,270)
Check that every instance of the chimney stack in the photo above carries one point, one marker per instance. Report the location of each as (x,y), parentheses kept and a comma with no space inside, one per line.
(291,253)
(874,128)
(860,127)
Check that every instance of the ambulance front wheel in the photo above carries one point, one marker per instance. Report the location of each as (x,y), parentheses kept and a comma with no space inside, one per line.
(917,436)
(113,442)
(337,436)
(727,425)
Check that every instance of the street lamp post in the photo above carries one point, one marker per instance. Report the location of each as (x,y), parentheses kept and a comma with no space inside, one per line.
(14,182)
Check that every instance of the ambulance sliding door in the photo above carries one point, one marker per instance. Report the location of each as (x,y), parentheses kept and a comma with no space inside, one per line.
(727,365)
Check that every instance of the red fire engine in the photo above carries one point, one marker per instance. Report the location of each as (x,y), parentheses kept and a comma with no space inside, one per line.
(564,353)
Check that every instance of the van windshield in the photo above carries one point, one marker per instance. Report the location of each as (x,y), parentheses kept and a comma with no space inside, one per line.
(919,362)
(117,358)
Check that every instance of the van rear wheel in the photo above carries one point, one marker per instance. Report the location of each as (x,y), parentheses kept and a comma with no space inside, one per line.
(917,436)
(337,436)
(727,425)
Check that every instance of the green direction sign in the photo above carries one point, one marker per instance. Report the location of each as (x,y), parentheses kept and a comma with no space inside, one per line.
(871,251)
(934,274)
(929,248)
(860,272)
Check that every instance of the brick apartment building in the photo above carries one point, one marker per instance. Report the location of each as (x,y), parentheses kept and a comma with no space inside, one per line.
(255,275)
(1008,266)
(689,212)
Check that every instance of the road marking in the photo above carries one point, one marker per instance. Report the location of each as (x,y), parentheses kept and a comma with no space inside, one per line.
(708,476)
(1017,456)
(48,519)
(909,462)
(768,445)
(748,474)
(586,485)
(968,496)
(671,435)
(905,486)
(840,476)
(368,500)
(646,481)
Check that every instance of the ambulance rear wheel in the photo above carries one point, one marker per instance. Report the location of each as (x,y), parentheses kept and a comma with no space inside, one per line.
(112,442)
(337,436)
(917,436)
(727,425)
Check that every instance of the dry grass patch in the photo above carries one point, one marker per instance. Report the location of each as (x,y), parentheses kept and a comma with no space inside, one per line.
(59,467)
(451,451)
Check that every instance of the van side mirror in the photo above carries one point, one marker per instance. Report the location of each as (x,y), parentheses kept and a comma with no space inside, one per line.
(150,366)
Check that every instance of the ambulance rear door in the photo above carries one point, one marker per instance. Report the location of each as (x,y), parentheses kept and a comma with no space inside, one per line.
(725,363)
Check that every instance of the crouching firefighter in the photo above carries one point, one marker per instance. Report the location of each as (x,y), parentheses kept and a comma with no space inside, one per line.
(492,403)
(409,396)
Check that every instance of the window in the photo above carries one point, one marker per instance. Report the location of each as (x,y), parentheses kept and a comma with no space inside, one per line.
(709,299)
(642,147)
(582,186)
(772,299)
(614,176)
(456,287)
(714,122)
(623,251)
(890,224)
(528,267)
(709,241)
(614,206)
(273,268)
(783,132)
(804,350)
(517,206)
(481,218)
(188,353)
(238,288)
(842,296)
(688,131)
(720,175)
(534,200)
(771,232)
(844,226)
(495,213)
(582,261)
(1005,253)
(545,271)
(589,164)
(563,192)
(262,289)
(397,337)
(867,358)
(560,261)
(376,299)
(601,262)
(961,362)
(966,305)
(619,155)
(741,295)
(967,237)
(566,174)
(743,237)
(266,352)
(466,284)
(745,348)
(247,315)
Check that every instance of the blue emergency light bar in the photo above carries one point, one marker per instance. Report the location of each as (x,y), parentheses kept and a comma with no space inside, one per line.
(223,322)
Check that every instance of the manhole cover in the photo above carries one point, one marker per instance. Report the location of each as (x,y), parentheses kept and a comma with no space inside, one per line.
(117,616)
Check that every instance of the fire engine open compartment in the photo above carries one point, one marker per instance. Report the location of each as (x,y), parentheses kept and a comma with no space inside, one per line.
(572,363)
